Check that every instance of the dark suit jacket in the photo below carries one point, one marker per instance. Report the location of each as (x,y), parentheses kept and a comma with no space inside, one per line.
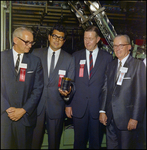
(127,100)
(88,92)
(20,94)
(51,98)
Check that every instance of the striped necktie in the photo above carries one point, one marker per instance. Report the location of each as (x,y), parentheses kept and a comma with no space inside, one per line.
(90,63)
(17,63)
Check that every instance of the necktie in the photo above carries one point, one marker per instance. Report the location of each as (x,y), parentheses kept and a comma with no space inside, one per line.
(17,63)
(90,63)
(52,63)
(118,70)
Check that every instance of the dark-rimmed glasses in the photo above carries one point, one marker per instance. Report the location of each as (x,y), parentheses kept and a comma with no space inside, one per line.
(27,42)
(120,46)
(61,38)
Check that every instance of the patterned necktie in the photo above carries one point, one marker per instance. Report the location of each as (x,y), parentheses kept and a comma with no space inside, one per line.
(52,63)
(118,70)
(17,63)
(90,63)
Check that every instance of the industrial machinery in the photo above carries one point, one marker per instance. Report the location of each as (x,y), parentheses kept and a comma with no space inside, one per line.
(98,16)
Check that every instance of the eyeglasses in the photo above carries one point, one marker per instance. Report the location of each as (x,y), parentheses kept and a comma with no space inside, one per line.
(27,42)
(61,38)
(120,46)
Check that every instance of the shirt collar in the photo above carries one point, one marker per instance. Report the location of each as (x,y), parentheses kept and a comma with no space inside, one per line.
(94,51)
(51,51)
(124,59)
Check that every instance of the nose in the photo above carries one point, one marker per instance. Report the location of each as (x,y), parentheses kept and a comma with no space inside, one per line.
(57,39)
(30,45)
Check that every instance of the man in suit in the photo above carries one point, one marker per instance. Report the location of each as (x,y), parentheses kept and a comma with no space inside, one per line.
(21,89)
(84,107)
(123,98)
(51,109)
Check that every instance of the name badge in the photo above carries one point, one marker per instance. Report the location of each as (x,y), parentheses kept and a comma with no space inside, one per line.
(82,62)
(23,68)
(22,65)
(81,71)
(61,75)
(123,69)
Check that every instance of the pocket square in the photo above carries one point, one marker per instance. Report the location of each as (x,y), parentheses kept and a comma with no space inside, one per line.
(127,77)
(30,71)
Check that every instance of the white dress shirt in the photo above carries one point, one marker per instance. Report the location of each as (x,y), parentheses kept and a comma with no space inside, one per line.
(94,56)
(15,56)
(49,56)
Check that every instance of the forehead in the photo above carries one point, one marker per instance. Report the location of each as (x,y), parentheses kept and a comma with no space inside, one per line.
(27,34)
(120,39)
(58,33)
(89,33)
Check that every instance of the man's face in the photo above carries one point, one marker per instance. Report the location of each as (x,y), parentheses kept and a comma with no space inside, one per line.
(121,47)
(55,42)
(90,40)
(20,45)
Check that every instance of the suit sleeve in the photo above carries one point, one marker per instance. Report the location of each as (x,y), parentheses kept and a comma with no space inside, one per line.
(139,92)
(104,92)
(71,74)
(35,95)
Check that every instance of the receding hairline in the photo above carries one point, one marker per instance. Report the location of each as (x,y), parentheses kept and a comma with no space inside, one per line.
(126,37)
(18,31)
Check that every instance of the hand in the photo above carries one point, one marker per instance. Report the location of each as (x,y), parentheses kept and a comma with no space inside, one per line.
(132,124)
(103,118)
(64,93)
(16,114)
(10,110)
(68,111)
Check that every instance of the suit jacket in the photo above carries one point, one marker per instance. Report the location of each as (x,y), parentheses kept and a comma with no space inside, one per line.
(127,100)
(88,92)
(51,98)
(15,93)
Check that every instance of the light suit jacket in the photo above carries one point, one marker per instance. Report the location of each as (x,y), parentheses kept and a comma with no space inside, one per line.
(127,100)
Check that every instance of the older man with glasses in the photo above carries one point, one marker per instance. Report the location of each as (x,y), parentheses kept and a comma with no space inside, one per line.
(124,98)
(51,110)
(21,88)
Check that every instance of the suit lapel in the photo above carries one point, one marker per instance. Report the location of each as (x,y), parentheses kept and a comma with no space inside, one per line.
(44,65)
(59,62)
(85,78)
(10,60)
(114,71)
(97,63)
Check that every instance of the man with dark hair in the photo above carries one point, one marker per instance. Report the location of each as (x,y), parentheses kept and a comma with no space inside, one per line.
(21,89)
(90,65)
(51,109)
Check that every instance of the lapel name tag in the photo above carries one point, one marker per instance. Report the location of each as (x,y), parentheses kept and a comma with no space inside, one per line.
(81,71)
(22,65)
(61,75)
(23,68)
(124,69)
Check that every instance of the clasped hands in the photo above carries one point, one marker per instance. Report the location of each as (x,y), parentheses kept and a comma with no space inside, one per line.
(15,113)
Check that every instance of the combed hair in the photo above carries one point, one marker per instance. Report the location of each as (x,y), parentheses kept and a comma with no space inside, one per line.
(126,36)
(93,28)
(18,31)
(59,28)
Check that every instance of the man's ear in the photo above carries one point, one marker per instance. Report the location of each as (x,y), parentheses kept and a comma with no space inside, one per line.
(15,40)
(49,36)
(98,39)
